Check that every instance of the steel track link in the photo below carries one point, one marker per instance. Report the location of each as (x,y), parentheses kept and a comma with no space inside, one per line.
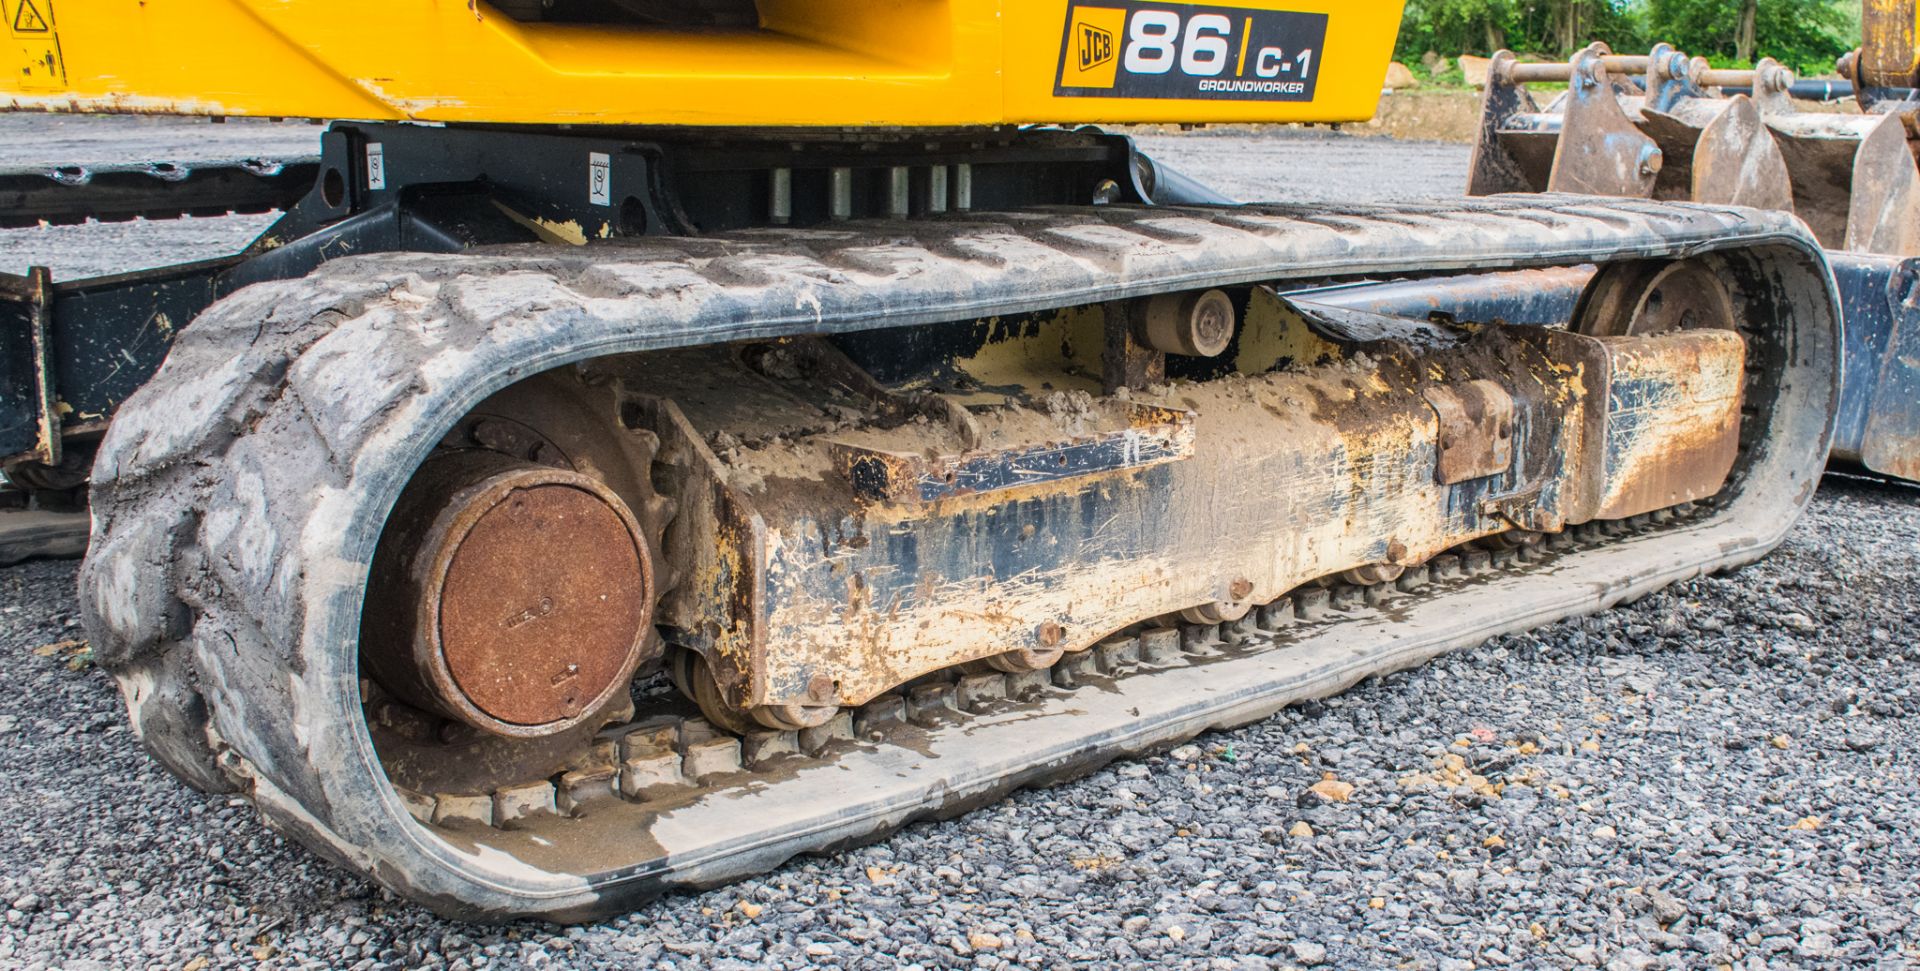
(71,194)
(238,497)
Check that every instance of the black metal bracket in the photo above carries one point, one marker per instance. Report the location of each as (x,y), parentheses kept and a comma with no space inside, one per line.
(71,352)
(33,295)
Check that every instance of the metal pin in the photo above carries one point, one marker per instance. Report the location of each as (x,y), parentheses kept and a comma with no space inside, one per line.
(899,194)
(937,189)
(780,197)
(840,193)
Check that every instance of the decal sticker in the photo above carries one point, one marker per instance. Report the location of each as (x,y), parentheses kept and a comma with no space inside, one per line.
(1129,49)
(599,179)
(27,20)
(30,46)
(376,167)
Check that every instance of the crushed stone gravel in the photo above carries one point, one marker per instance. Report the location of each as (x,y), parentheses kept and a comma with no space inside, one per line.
(1722,774)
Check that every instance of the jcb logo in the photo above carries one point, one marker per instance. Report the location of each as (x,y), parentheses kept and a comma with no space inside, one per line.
(1096,46)
(1091,53)
(1184,50)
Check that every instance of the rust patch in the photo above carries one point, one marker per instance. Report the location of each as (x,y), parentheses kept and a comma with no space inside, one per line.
(1672,421)
(1883,210)
(543,600)
(1600,152)
(1476,430)
(1737,162)
(517,600)
(1154,435)
(854,557)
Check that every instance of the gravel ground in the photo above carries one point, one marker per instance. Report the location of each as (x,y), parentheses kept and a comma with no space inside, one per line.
(1721,774)
(1312,165)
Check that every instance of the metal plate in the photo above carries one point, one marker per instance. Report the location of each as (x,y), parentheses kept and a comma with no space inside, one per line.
(1736,161)
(1476,430)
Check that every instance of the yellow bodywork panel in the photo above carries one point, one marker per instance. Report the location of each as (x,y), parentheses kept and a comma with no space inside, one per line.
(807,63)
(1890,42)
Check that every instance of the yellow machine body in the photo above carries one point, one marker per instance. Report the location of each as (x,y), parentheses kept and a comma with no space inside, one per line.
(1889,43)
(807,63)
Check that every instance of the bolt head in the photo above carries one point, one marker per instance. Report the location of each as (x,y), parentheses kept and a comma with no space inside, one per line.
(820,688)
(1651,161)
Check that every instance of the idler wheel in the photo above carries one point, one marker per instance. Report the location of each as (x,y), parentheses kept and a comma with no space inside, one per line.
(512,597)
(1372,573)
(1027,659)
(1198,323)
(1643,298)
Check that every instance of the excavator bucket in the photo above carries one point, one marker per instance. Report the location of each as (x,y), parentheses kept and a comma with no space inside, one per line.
(1665,127)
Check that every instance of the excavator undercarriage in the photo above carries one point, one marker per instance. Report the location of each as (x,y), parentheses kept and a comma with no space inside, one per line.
(540,518)
(884,497)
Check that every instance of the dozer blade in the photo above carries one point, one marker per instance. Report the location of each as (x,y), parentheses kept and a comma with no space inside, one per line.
(913,512)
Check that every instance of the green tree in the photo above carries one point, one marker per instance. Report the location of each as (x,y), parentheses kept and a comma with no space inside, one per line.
(1804,34)
(1547,27)
(1457,26)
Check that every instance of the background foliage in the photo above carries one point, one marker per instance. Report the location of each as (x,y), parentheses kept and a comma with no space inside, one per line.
(1806,35)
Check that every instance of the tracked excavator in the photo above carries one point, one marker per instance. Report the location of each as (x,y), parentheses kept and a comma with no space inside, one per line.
(1666,126)
(660,438)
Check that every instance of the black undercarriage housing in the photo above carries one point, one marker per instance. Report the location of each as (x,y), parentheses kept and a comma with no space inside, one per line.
(72,351)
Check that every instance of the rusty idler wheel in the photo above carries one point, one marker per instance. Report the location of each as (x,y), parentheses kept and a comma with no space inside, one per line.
(1648,297)
(1048,647)
(1220,612)
(1373,573)
(512,597)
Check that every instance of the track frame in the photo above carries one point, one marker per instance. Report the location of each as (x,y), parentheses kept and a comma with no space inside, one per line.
(239,496)
(386,187)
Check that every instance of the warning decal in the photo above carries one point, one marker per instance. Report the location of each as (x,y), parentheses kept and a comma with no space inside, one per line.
(30,57)
(27,19)
(1132,49)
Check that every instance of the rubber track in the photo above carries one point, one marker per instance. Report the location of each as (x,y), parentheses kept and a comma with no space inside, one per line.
(71,194)
(237,497)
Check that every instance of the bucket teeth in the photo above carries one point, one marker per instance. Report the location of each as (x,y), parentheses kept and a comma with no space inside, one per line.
(1853,178)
